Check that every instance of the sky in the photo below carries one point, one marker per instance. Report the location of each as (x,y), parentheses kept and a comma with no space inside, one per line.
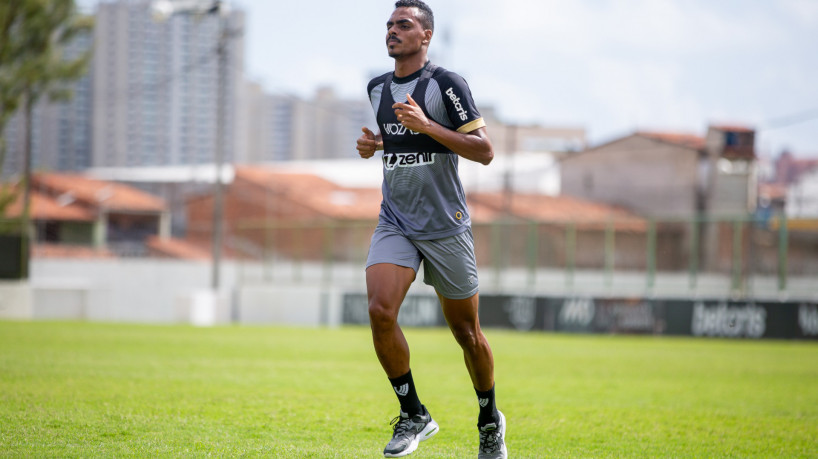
(609,66)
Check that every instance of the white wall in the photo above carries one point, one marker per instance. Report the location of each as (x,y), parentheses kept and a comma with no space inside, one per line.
(15,300)
(120,290)
(166,291)
(169,291)
(802,197)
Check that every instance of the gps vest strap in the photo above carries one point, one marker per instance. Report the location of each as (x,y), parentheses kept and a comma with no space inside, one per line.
(427,73)
(397,138)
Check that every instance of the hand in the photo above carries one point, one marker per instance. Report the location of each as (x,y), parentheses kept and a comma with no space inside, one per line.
(367,143)
(411,115)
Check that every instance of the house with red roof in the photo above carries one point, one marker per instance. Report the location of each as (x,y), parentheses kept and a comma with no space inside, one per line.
(268,210)
(71,212)
(667,174)
(672,176)
(296,215)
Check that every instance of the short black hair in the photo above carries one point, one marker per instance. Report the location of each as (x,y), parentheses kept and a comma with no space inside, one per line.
(426,17)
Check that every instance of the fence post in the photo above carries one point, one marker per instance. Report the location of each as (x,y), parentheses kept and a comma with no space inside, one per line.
(496,252)
(610,252)
(736,281)
(782,252)
(693,270)
(298,254)
(651,260)
(329,243)
(267,262)
(570,253)
(533,253)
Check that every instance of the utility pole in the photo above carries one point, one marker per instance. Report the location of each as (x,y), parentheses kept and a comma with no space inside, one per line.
(26,232)
(218,187)
(163,10)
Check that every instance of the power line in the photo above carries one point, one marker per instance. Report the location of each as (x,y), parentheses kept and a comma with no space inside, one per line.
(790,120)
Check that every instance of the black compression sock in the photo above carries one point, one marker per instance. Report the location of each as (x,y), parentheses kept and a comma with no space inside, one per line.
(404,387)
(488,409)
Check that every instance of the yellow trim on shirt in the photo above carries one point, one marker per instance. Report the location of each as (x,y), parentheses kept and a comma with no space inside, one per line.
(471,126)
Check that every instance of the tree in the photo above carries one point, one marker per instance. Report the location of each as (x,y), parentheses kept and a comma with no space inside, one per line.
(33,35)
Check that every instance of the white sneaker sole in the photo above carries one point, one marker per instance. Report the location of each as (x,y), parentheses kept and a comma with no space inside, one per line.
(428,432)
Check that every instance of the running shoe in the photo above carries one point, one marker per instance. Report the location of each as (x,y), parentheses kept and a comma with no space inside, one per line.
(493,440)
(408,432)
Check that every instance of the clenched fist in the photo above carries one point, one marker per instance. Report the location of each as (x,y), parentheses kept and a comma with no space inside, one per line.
(368,143)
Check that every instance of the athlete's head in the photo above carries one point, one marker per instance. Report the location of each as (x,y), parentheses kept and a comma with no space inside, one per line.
(409,29)
(424,14)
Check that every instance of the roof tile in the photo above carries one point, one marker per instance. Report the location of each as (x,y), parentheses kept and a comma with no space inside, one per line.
(44,207)
(677,138)
(97,193)
(554,209)
(325,198)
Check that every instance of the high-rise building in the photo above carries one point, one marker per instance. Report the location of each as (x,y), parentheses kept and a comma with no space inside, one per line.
(60,131)
(286,127)
(156,86)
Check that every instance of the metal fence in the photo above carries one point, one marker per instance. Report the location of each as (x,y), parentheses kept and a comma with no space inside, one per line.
(744,256)
(734,257)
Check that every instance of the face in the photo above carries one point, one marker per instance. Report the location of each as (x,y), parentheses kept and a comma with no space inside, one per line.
(404,34)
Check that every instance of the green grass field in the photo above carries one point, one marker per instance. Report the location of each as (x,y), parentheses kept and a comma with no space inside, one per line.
(100,390)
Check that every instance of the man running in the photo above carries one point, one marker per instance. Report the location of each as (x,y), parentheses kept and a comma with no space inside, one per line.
(427,119)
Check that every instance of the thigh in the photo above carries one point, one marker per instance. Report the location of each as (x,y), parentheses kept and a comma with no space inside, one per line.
(391,267)
(449,265)
(386,286)
(390,246)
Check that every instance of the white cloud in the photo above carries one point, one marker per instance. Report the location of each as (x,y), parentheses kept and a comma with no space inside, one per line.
(803,11)
(669,27)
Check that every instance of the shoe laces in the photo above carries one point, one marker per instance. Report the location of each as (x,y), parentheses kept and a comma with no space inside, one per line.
(400,425)
(489,440)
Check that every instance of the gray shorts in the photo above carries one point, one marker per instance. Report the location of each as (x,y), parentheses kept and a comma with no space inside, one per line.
(449,264)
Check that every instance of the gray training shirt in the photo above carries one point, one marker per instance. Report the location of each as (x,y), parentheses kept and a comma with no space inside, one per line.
(422,193)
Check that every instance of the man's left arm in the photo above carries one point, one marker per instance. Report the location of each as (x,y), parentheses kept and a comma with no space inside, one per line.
(474,145)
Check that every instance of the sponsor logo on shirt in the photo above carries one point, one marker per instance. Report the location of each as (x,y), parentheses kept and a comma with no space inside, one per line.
(393,160)
(457,105)
(397,129)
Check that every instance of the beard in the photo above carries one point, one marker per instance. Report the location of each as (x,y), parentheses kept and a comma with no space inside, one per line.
(390,47)
(401,52)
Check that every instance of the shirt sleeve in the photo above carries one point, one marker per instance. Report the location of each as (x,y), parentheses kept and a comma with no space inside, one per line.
(459,103)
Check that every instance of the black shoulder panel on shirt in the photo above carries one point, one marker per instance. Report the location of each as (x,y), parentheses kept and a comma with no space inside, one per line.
(375,82)
(447,78)
(457,98)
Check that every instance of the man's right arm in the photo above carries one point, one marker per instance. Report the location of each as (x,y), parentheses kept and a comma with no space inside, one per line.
(369,143)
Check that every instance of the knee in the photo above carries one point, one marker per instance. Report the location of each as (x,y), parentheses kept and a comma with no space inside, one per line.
(467,335)
(381,316)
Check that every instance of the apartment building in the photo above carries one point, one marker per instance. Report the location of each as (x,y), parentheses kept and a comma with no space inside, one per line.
(156,86)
